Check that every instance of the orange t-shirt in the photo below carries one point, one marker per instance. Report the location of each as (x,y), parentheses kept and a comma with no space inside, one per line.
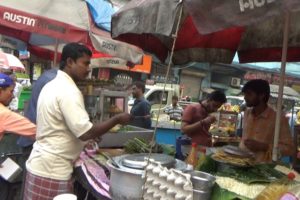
(15,123)
(262,129)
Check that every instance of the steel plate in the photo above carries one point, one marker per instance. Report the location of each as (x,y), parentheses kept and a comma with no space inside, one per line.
(236,151)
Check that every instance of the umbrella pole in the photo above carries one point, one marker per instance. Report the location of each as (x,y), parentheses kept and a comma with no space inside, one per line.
(168,69)
(55,54)
(275,151)
(164,87)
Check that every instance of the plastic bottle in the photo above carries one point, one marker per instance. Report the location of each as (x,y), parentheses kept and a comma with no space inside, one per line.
(276,189)
(292,194)
(192,157)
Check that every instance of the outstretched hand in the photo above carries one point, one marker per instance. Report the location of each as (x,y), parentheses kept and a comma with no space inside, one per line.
(124,118)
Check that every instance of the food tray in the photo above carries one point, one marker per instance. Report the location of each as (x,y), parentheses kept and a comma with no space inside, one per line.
(236,151)
(224,159)
(224,164)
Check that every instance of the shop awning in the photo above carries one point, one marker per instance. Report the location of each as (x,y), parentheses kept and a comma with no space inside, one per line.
(120,64)
(288,92)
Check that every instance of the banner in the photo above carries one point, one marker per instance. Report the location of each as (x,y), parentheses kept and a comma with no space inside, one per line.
(120,64)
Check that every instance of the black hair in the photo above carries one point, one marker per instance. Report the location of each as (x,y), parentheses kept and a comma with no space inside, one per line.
(258,86)
(140,85)
(217,96)
(175,97)
(73,51)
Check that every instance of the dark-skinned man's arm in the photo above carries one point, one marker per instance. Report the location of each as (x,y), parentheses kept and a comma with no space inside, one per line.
(190,128)
(101,128)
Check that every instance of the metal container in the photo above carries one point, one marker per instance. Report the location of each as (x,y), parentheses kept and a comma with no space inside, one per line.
(126,182)
(202,181)
(202,185)
(201,195)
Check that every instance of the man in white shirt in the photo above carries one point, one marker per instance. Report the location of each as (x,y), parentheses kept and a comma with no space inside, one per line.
(63,127)
(174,110)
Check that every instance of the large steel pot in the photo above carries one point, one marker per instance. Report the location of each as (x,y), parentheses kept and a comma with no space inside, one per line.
(126,182)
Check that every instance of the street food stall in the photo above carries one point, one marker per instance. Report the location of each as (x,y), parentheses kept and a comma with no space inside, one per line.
(117,166)
(106,168)
(224,173)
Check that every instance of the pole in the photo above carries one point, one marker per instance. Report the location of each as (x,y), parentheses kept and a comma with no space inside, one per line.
(275,151)
(55,54)
(174,35)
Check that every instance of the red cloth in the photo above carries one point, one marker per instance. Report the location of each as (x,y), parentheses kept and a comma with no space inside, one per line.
(39,188)
(194,113)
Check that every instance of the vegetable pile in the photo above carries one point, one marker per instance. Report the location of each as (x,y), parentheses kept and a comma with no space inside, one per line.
(138,145)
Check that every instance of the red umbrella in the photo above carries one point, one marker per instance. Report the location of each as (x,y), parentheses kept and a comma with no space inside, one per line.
(205,32)
(50,24)
(199,48)
(190,44)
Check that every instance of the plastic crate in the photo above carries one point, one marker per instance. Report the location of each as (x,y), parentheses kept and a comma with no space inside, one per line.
(24,96)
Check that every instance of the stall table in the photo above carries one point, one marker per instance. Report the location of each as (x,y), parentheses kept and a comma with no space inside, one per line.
(167,132)
(83,181)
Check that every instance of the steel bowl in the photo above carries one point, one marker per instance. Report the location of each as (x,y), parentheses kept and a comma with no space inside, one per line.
(201,195)
(202,181)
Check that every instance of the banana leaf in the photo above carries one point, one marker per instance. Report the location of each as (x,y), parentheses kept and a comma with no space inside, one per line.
(219,193)
(208,165)
(264,173)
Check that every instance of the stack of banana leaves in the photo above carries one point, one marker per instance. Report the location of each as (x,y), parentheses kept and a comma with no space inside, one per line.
(239,183)
(138,145)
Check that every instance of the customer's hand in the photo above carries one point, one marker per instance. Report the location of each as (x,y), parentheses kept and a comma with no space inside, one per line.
(124,118)
(255,145)
(209,120)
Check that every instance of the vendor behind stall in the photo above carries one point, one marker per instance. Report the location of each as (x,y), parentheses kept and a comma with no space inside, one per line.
(63,127)
(259,123)
(141,107)
(174,110)
(196,119)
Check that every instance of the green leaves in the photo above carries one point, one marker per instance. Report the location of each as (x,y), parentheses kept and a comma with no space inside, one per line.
(219,193)
(138,145)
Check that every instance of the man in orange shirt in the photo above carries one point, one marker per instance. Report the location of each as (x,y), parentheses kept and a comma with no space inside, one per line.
(259,123)
(11,121)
